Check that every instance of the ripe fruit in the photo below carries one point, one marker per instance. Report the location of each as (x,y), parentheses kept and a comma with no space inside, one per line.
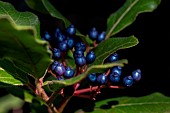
(59,78)
(63,41)
(93,33)
(90,57)
(80,46)
(57,32)
(59,69)
(78,54)
(68,72)
(47,36)
(92,77)
(113,57)
(56,53)
(136,74)
(80,61)
(60,38)
(101,37)
(102,79)
(117,70)
(70,42)
(128,81)
(53,65)
(63,46)
(71,29)
(114,78)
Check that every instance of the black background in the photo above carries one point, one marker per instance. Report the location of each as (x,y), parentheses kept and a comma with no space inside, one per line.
(151,55)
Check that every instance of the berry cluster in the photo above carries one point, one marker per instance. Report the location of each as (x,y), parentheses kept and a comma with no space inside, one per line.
(63,41)
(114,75)
(60,43)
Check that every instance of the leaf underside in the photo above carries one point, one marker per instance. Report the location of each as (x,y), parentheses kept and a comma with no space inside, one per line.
(20,41)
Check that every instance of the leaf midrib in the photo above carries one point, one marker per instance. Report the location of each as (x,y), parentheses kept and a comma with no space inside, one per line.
(138,104)
(27,54)
(100,56)
(120,18)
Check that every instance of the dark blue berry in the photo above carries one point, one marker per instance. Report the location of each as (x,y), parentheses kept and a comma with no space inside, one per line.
(102,79)
(60,38)
(68,72)
(101,37)
(117,70)
(113,57)
(128,81)
(70,43)
(78,54)
(80,61)
(56,53)
(59,78)
(53,65)
(90,57)
(93,33)
(92,77)
(47,36)
(114,77)
(57,32)
(136,74)
(60,69)
(71,30)
(80,46)
(63,46)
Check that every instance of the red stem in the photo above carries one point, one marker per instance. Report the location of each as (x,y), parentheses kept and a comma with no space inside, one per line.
(77,92)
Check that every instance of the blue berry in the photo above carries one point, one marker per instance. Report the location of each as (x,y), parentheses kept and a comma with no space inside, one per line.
(136,74)
(60,38)
(93,33)
(59,78)
(92,77)
(80,46)
(53,65)
(78,54)
(68,72)
(56,53)
(116,70)
(90,57)
(70,42)
(47,36)
(80,61)
(63,46)
(60,69)
(128,81)
(102,79)
(113,57)
(71,30)
(57,32)
(101,37)
(114,77)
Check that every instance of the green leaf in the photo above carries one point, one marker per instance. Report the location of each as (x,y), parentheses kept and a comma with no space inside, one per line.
(111,45)
(128,13)
(54,12)
(14,71)
(6,78)
(57,85)
(36,5)
(153,103)
(20,41)
(9,102)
